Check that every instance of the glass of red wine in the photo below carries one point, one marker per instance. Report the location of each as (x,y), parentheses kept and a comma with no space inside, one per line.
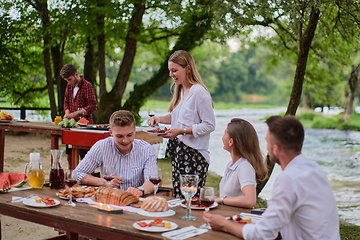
(156,178)
(207,199)
(108,173)
(151,113)
(70,182)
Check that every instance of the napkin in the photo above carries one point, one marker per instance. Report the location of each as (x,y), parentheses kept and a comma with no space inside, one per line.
(174,202)
(92,202)
(184,233)
(20,199)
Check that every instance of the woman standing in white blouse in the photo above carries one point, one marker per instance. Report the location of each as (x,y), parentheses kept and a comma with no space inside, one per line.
(192,120)
(238,186)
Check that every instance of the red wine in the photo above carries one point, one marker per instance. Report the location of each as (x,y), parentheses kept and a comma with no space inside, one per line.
(70,182)
(206,202)
(155,181)
(56,179)
(109,178)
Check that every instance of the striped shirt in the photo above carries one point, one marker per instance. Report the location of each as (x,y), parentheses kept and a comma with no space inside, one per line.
(134,167)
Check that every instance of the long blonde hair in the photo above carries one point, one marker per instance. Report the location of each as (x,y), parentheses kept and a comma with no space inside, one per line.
(184,59)
(246,145)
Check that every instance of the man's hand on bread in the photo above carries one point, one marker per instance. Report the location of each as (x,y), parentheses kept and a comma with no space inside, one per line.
(135,191)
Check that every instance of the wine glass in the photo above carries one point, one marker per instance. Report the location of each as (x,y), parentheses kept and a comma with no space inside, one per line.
(151,113)
(207,198)
(156,178)
(70,182)
(108,173)
(188,186)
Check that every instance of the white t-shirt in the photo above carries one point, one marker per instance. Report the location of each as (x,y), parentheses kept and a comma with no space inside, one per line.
(237,176)
(302,206)
(195,110)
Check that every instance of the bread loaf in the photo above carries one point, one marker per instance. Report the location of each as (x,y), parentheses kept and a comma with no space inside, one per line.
(155,204)
(114,196)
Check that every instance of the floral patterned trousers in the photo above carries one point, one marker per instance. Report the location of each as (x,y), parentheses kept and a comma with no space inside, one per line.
(185,160)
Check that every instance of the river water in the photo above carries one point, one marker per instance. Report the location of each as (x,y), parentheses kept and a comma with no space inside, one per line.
(333,150)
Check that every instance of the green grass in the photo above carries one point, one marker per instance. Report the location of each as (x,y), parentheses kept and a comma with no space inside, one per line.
(320,121)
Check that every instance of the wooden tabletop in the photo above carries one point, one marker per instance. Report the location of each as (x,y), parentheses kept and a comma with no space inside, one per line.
(88,221)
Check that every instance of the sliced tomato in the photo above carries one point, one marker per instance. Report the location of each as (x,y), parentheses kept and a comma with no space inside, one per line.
(142,224)
(157,220)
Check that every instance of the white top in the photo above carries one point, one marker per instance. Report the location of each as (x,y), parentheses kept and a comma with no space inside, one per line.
(134,167)
(195,110)
(76,89)
(237,176)
(302,206)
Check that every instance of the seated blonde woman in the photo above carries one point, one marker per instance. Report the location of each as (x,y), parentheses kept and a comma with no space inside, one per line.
(238,186)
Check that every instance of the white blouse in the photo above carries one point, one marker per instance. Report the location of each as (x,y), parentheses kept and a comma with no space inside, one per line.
(195,110)
(237,176)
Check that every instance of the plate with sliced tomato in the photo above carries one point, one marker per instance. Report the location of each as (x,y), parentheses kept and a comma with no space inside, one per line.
(155,225)
(41,202)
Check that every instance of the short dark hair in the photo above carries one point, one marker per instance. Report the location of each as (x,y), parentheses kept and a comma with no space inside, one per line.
(288,132)
(67,71)
(122,118)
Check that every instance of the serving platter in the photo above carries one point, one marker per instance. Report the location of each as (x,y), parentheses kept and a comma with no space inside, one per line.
(156,214)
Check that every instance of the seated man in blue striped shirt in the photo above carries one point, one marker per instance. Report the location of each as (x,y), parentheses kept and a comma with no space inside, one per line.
(134,160)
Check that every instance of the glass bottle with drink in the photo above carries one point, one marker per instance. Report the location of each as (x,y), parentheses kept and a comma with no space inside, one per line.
(34,171)
(56,180)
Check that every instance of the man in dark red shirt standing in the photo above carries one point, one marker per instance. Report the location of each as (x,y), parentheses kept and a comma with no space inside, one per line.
(80,99)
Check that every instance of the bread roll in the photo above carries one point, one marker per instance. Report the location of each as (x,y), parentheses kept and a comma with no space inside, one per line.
(155,204)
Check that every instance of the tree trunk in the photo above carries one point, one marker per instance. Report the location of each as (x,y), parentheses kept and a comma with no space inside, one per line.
(353,79)
(193,32)
(101,50)
(90,64)
(43,10)
(111,101)
(304,47)
(57,60)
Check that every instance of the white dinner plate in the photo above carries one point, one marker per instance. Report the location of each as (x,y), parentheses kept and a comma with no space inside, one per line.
(156,214)
(215,204)
(154,228)
(31,202)
(66,198)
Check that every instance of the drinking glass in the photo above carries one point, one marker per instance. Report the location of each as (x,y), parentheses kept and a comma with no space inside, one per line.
(188,186)
(70,182)
(156,178)
(108,173)
(151,113)
(207,198)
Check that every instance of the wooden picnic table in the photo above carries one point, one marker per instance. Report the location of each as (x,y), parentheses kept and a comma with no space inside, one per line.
(86,220)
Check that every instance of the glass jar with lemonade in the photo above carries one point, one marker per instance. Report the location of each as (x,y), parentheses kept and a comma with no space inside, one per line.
(34,171)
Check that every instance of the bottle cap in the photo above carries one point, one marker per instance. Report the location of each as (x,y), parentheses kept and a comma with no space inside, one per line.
(34,157)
